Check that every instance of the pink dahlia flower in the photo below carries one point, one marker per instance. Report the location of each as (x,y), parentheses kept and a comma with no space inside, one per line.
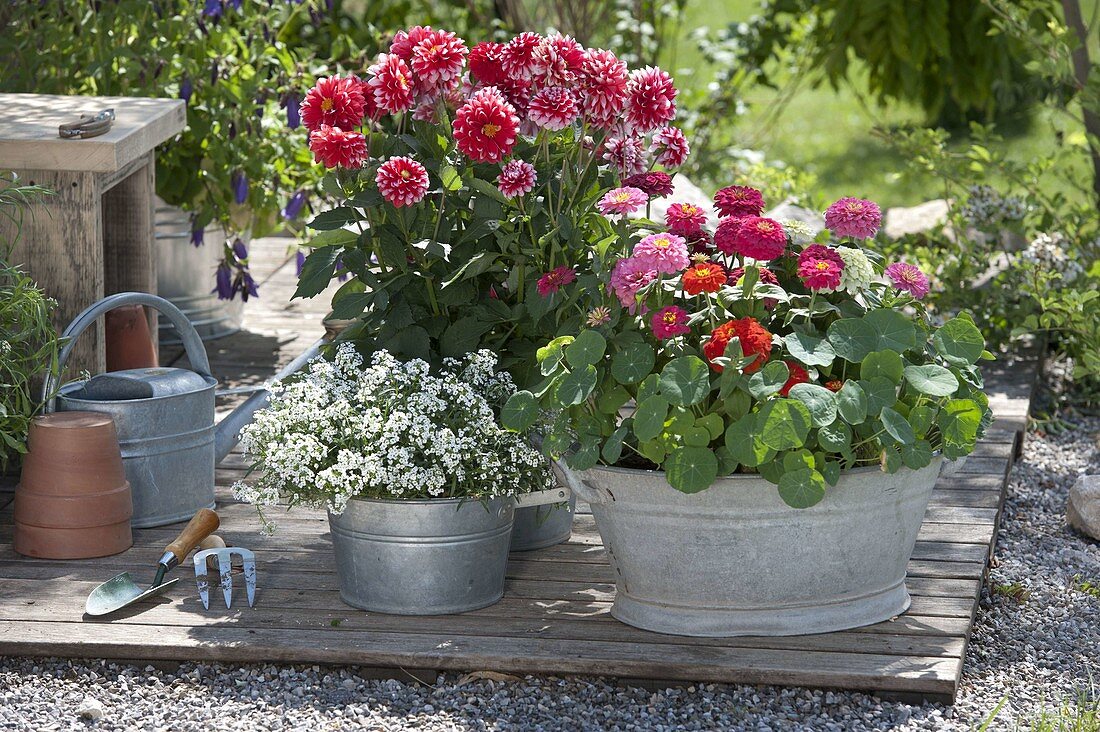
(392,84)
(650,99)
(553,108)
(854,217)
(335,148)
(671,147)
(628,278)
(558,60)
(334,101)
(484,63)
(908,278)
(554,280)
(665,253)
(519,59)
(404,41)
(603,77)
(655,183)
(685,218)
(739,201)
(622,201)
(485,127)
(438,58)
(402,181)
(820,268)
(669,322)
(627,155)
(517,178)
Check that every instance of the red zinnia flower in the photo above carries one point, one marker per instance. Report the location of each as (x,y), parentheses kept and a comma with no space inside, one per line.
(334,148)
(751,236)
(438,58)
(404,41)
(626,155)
(554,280)
(820,267)
(671,147)
(703,277)
(518,57)
(604,80)
(484,63)
(485,127)
(798,375)
(650,96)
(558,60)
(517,178)
(754,338)
(402,181)
(553,108)
(669,322)
(336,102)
(685,218)
(655,183)
(739,201)
(391,81)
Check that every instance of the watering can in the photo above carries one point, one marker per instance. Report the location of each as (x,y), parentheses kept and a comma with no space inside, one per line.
(164,416)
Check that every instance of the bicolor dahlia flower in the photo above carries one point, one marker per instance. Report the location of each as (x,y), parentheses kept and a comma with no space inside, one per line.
(392,83)
(485,127)
(334,101)
(754,338)
(798,375)
(685,218)
(517,178)
(820,268)
(655,183)
(908,278)
(757,237)
(854,217)
(669,322)
(484,63)
(404,41)
(626,154)
(402,181)
(553,108)
(437,59)
(670,147)
(603,78)
(628,278)
(666,253)
(650,99)
(622,201)
(558,60)
(739,201)
(334,148)
(555,279)
(518,58)
(703,277)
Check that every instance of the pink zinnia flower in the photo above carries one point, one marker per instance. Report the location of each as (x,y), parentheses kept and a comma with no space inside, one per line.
(392,84)
(517,178)
(908,278)
(855,217)
(402,181)
(334,101)
(626,155)
(622,201)
(665,253)
(655,183)
(554,280)
(335,148)
(553,108)
(685,218)
(650,96)
(558,60)
(438,58)
(485,127)
(751,236)
(671,147)
(820,267)
(739,201)
(629,277)
(518,57)
(404,41)
(484,63)
(669,322)
(603,77)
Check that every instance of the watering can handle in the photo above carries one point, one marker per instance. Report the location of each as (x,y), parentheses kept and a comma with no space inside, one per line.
(192,343)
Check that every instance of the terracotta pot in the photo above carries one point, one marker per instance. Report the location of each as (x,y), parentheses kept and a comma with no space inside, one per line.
(73,500)
(129,343)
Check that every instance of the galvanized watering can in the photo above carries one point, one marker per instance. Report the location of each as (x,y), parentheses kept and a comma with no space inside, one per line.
(164,417)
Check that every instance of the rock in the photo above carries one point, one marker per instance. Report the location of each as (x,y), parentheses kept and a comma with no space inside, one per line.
(684,191)
(915,219)
(790,211)
(1083,506)
(90,708)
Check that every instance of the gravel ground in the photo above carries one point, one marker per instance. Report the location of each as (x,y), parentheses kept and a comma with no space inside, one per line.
(1036,651)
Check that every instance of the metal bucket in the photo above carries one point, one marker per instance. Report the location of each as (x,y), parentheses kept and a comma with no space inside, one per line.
(735,560)
(538,527)
(431,557)
(167,442)
(185,277)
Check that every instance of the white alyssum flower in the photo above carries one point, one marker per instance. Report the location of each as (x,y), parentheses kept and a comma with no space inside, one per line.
(1049,251)
(858,272)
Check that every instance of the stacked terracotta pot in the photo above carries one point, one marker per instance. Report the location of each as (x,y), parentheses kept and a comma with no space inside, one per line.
(73,500)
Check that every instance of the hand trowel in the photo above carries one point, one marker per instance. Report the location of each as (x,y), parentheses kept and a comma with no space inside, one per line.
(121,590)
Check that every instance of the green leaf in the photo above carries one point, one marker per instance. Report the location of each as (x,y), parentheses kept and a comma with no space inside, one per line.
(613,446)
(916,456)
(334,238)
(335,218)
(831,472)
(768,380)
(784,424)
(743,442)
(649,419)
(450,178)
(586,350)
(585,457)
(959,421)
(633,363)
(549,356)
(685,380)
(887,364)
(351,305)
(836,437)
(463,336)
(893,330)
(959,341)
(897,426)
(691,469)
(713,424)
(317,271)
(611,400)
(696,436)
(576,386)
(881,392)
(802,488)
(809,349)
(820,401)
(932,379)
(852,339)
(520,411)
(921,418)
(851,402)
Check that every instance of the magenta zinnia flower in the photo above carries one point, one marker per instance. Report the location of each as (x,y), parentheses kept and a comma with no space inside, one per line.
(402,181)
(655,183)
(650,99)
(517,178)
(553,108)
(685,218)
(739,201)
(820,268)
(665,253)
(554,280)
(855,217)
(671,147)
(908,278)
(622,201)
(751,236)
(669,322)
(629,276)
(485,127)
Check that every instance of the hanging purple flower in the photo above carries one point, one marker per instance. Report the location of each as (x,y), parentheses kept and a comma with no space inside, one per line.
(294,206)
(213,9)
(214,73)
(293,113)
(342,273)
(240,251)
(239,181)
(248,285)
(235,4)
(223,279)
(186,87)
(196,234)
(299,263)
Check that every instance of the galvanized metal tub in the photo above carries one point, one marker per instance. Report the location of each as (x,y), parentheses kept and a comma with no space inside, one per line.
(735,560)
(429,557)
(538,527)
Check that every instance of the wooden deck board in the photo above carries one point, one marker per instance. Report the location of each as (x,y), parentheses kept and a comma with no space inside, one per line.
(555,617)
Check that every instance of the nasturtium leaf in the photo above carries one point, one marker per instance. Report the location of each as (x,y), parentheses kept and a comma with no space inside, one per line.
(771,470)
(831,472)
(802,488)
(691,469)
(810,350)
(633,363)
(959,421)
(768,380)
(959,341)
(897,426)
(647,388)
(713,424)
(932,379)
(887,364)
(649,418)
(611,400)
(680,419)
(576,386)
(726,463)
(880,392)
(921,418)
(586,456)
(613,446)
(852,339)
(696,436)
(917,455)
(549,356)
(784,424)
(586,350)
(653,451)
(836,437)
(891,459)
(685,380)
(798,459)
(851,402)
(737,404)
(520,411)
(743,443)
(820,401)
(893,330)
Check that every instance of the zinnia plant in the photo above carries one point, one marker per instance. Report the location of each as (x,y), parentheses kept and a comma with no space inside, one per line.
(756,354)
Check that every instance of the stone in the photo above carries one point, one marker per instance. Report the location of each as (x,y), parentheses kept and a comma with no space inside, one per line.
(90,708)
(683,191)
(790,211)
(916,219)
(1083,506)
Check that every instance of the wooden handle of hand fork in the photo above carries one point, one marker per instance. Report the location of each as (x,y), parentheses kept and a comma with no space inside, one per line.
(203,524)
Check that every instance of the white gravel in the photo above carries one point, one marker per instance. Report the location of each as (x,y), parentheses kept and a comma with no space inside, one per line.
(1037,653)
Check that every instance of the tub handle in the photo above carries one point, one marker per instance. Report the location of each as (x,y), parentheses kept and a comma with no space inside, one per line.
(560,494)
(579,486)
(192,343)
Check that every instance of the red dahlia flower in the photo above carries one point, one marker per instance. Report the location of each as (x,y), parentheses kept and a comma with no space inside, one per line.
(335,148)
(404,41)
(485,127)
(655,183)
(553,108)
(402,181)
(798,375)
(671,147)
(820,268)
(438,58)
(336,102)
(650,99)
(484,63)
(739,201)
(517,178)
(604,78)
(518,58)
(703,277)
(391,81)
(754,338)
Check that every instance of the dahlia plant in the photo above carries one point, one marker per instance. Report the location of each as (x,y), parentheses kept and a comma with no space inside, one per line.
(471,185)
(757,348)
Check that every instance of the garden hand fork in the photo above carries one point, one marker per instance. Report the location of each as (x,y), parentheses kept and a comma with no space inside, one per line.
(225,571)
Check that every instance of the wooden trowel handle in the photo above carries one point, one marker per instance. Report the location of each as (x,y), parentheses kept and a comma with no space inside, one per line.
(203,524)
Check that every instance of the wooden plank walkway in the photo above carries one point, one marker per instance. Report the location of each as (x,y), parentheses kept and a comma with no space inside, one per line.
(554,618)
